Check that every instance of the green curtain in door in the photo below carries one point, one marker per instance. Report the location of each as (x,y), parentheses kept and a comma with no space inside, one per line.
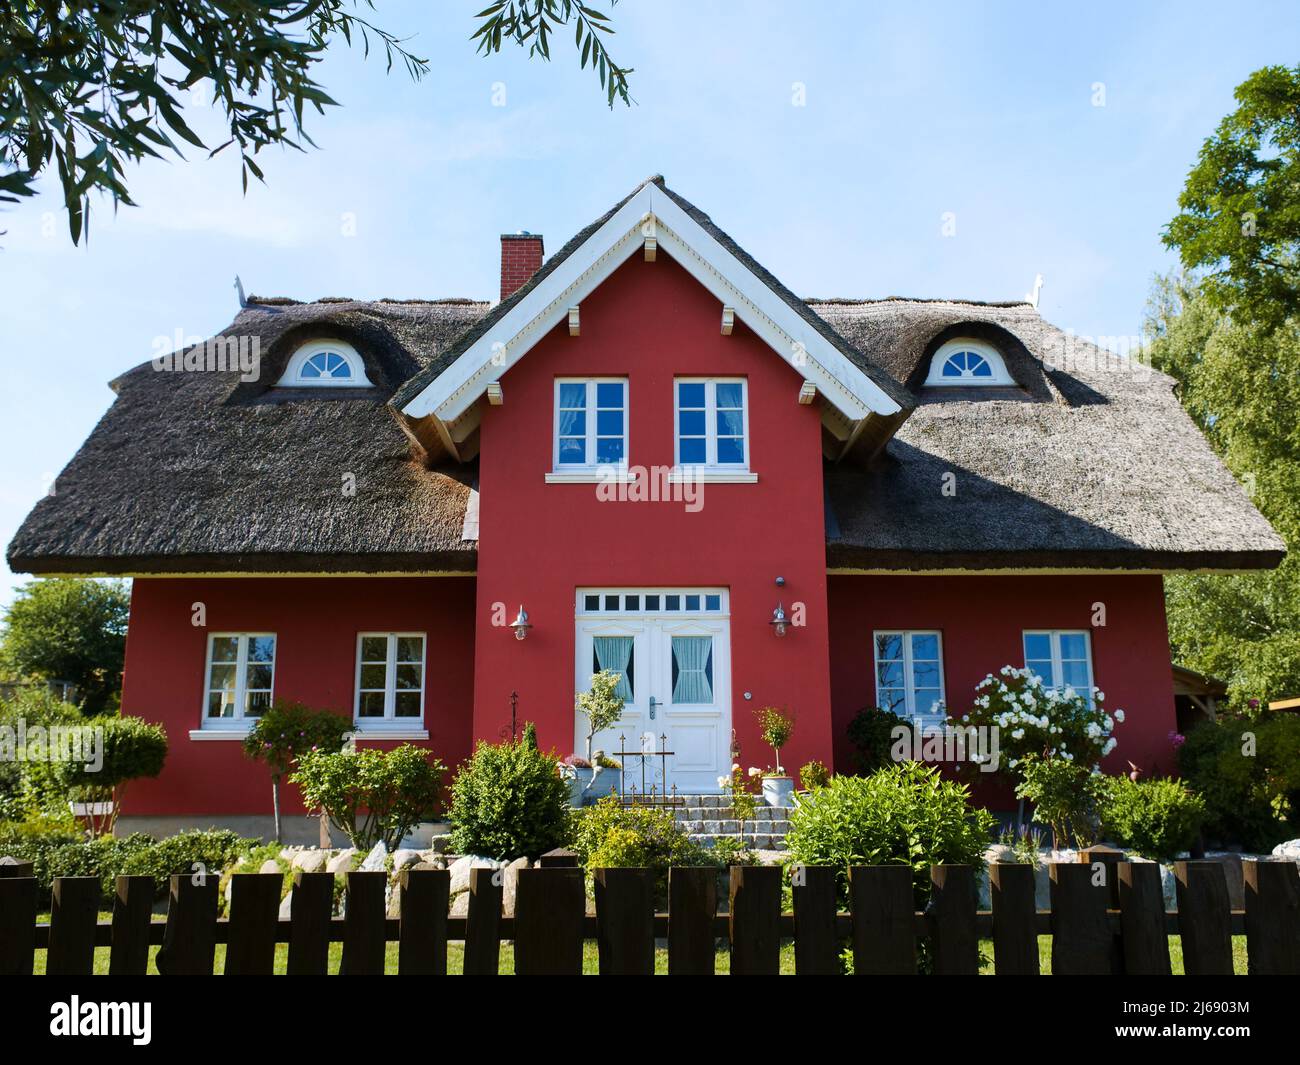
(615,652)
(691,656)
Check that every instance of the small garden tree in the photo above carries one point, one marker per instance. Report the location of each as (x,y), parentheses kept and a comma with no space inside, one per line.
(372,796)
(776,728)
(130,749)
(602,706)
(285,732)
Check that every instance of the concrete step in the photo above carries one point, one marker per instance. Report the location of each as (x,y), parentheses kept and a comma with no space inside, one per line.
(756,840)
(714,813)
(730,826)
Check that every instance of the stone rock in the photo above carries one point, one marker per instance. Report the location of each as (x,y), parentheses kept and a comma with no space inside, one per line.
(1288,851)
(310,861)
(288,854)
(460,904)
(286,905)
(374,862)
(270,866)
(404,857)
(341,862)
(461,866)
(510,885)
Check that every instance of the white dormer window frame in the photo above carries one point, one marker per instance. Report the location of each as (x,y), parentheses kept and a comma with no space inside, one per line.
(698,447)
(967,361)
(325,364)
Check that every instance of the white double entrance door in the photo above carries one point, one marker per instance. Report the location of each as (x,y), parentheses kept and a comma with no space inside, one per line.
(671,648)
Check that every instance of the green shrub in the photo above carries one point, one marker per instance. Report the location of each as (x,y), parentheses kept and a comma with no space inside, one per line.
(904,814)
(508,801)
(872,734)
(1065,796)
(33,789)
(1157,818)
(198,850)
(814,775)
(609,835)
(1247,769)
(372,796)
(132,749)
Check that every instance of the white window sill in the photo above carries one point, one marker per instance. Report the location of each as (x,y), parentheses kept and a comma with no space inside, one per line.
(586,475)
(710,475)
(219,733)
(367,734)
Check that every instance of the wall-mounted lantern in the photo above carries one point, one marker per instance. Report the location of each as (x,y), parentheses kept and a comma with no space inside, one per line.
(521,624)
(779,621)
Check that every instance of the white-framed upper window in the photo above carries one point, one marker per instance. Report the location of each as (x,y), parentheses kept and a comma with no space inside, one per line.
(964,362)
(590,423)
(240,675)
(909,673)
(1062,658)
(711,422)
(390,679)
(325,364)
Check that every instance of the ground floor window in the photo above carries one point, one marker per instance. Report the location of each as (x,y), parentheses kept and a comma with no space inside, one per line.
(241,676)
(390,678)
(1062,658)
(909,673)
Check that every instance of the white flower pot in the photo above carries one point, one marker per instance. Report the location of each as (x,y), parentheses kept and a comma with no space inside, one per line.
(777,791)
(91,809)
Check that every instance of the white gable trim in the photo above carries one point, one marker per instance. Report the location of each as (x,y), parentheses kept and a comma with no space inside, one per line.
(650,213)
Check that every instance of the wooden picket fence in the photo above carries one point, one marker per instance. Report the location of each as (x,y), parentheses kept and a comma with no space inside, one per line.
(1103,920)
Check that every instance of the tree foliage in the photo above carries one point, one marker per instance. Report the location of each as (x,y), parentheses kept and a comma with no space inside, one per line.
(90,86)
(69,629)
(1240,209)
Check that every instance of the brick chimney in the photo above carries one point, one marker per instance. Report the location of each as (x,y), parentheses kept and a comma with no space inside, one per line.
(521,257)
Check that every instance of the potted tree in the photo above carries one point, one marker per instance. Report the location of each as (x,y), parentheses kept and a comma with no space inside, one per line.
(129,749)
(776,728)
(602,706)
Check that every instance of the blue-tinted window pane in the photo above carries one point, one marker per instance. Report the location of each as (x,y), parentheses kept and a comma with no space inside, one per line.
(692,602)
(889,646)
(893,699)
(729,395)
(692,452)
(1043,667)
(713,602)
(1075,674)
(573,422)
(927,700)
(925,674)
(889,674)
(982,369)
(1074,645)
(925,646)
(609,394)
(690,394)
(731,450)
(609,423)
(261,648)
(311,368)
(591,602)
(672,602)
(609,449)
(574,395)
(951,369)
(690,423)
(652,602)
(573,450)
(1038,645)
(731,423)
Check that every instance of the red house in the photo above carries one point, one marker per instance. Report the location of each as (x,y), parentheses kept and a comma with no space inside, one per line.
(651,452)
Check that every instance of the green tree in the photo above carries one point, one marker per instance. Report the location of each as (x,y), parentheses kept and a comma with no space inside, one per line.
(1240,208)
(1241,384)
(87,86)
(69,629)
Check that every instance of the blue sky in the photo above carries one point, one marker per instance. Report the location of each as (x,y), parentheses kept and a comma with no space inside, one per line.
(910,113)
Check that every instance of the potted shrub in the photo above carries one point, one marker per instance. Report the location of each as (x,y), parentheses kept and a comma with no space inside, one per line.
(576,771)
(776,728)
(131,749)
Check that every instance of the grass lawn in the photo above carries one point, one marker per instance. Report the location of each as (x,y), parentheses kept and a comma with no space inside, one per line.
(455,958)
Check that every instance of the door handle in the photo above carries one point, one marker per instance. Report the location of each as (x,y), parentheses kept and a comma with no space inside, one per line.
(653,703)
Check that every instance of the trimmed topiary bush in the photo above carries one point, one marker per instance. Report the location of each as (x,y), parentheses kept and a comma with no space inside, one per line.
(906,814)
(1157,818)
(508,801)
(132,750)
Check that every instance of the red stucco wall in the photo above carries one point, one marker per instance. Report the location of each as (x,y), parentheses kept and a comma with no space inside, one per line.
(539,542)
(316,621)
(982,619)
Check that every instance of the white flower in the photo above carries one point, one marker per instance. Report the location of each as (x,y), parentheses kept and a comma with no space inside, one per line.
(1018,734)
(724,781)
(1119,716)
(1100,696)
(754,771)
(735,767)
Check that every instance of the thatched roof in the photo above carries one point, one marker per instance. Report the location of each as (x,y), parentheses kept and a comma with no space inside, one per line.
(1090,463)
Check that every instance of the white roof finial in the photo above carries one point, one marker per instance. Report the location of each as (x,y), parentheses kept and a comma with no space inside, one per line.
(1032,297)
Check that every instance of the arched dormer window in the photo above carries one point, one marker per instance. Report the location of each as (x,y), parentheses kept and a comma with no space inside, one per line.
(325,364)
(964,362)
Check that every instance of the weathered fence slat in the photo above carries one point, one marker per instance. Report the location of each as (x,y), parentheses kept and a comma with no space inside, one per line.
(1015,934)
(692,906)
(1272,917)
(74,912)
(1142,919)
(755,923)
(17,924)
(550,905)
(254,921)
(132,916)
(14,869)
(310,910)
(1204,918)
(954,941)
(625,921)
(816,941)
(190,940)
(884,940)
(1082,942)
(483,923)
(363,925)
(422,942)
